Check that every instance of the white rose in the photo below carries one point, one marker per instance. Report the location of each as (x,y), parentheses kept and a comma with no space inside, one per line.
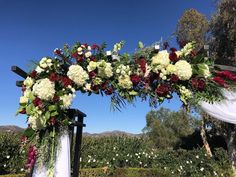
(28,82)
(23,100)
(39,69)
(162,58)
(92,66)
(43,65)
(89,48)
(183,70)
(88,54)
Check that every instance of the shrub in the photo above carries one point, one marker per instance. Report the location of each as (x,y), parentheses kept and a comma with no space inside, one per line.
(11,160)
(124,172)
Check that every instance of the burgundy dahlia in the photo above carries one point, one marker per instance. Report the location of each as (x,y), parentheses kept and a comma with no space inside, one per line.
(163,90)
(53,77)
(142,64)
(92,74)
(109,91)
(198,84)
(66,81)
(33,74)
(174,78)
(135,79)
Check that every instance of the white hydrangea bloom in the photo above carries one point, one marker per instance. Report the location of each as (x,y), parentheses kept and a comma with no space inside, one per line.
(67,100)
(171,69)
(35,122)
(28,82)
(44,89)
(183,70)
(77,74)
(125,82)
(162,59)
(92,66)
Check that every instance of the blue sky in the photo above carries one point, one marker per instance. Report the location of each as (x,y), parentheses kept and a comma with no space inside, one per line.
(32,29)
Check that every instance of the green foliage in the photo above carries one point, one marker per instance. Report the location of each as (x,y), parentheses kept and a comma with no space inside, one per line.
(192,26)
(223,29)
(165,128)
(11,161)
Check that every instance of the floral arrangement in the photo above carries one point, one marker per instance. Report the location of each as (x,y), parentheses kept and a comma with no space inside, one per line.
(150,74)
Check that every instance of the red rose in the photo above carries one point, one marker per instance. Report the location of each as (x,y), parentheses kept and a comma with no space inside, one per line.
(52,121)
(92,58)
(135,79)
(56,99)
(173,50)
(33,74)
(220,81)
(198,84)
(201,84)
(80,58)
(174,78)
(85,45)
(95,87)
(104,86)
(53,77)
(173,57)
(23,111)
(57,51)
(95,46)
(92,74)
(163,90)
(38,102)
(109,91)
(74,55)
(142,64)
(66,81)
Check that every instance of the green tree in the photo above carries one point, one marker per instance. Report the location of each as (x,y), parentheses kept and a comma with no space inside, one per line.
(165,127)
(223,30)
(192,26)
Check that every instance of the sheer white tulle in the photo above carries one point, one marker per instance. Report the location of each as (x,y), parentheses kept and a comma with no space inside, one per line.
(62,164)
(224,110)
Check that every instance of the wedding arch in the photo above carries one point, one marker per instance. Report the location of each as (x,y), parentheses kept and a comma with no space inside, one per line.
(151,73)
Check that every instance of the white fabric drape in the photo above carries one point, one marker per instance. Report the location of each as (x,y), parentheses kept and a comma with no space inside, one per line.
(224,110)
(62,164)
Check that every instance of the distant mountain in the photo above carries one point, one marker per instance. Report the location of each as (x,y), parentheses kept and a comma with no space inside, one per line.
(11,128)
(111,133)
